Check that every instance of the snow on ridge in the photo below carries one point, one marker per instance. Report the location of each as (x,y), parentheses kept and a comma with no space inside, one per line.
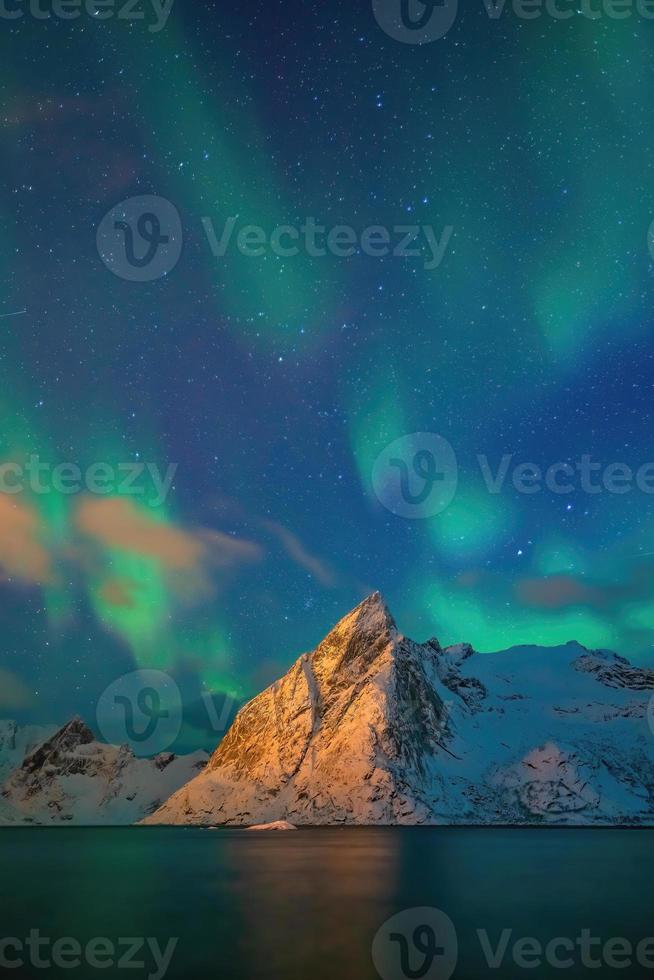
(65,776)
(372,727)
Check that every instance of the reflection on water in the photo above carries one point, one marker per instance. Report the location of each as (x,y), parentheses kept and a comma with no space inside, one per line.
(306,905)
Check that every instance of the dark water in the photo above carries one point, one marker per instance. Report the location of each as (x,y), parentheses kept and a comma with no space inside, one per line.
(306,905)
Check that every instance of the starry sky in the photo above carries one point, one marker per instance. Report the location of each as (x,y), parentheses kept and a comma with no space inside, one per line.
(273,384)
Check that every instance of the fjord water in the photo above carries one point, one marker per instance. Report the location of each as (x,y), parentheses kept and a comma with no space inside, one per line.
(306,905)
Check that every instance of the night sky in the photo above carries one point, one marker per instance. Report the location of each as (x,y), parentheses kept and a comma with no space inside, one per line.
(274,383)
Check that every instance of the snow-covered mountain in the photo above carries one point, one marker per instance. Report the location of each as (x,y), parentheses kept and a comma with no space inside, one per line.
(372,728)
(65,776)
(16,742)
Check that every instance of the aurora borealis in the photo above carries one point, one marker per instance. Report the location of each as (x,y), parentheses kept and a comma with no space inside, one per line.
(273,384)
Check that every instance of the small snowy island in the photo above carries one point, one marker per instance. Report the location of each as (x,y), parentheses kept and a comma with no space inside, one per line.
(275,825)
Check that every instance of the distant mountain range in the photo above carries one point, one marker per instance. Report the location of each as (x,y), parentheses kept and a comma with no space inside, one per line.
(51,776)
(373,728)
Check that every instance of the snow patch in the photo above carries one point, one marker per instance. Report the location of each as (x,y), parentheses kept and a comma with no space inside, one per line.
(275,825)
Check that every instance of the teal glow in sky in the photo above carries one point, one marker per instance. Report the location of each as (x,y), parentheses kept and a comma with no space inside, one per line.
(273,383)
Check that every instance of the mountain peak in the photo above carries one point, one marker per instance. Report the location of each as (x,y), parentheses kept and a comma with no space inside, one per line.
(359,637)
(74,732)
(371,612)
(77,726)
(67,738)
(371,618)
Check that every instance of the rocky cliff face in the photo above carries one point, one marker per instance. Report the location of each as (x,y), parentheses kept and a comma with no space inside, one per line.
(65,776)
(372,728)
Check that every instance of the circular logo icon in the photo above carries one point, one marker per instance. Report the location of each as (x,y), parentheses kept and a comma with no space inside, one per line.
(416,476)
(415,21)
(141,238)
(143,710)
(418,942)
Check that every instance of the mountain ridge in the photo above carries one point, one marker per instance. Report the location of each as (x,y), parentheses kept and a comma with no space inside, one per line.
(372,727)
(63,775)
